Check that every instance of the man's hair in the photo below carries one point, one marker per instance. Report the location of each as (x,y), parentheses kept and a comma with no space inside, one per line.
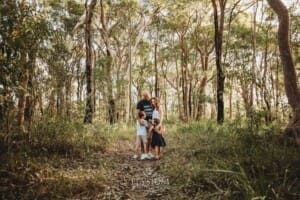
(141,114)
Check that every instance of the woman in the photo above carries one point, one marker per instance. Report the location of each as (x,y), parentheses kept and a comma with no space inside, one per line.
(157,110)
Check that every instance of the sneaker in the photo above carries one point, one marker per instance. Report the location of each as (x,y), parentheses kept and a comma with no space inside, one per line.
(135,157)
(150,155)
(144,156)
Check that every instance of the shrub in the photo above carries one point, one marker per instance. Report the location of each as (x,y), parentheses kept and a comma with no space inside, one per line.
(66,137)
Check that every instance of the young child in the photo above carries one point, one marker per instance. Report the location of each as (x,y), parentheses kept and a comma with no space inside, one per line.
(158,140)
(141,128)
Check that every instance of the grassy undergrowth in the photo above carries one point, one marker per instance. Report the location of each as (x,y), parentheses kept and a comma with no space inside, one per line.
(231,161)
(57,160)
(203,160)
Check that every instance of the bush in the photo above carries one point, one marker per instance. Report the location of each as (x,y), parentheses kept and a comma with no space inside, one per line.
(66,137)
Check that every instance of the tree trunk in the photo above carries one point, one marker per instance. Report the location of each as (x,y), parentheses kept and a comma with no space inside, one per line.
(265,90)
(60,98)
(201,101)
(22,97)
(190,103)
(88,118)
(230,97)
(109,81)
(290,79)
(251,102)
(68,89)
(128,106)
(156,84)
(184,83)
(178,91)
(219,26)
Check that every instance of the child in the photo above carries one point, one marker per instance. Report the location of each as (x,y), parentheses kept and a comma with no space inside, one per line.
(158,140)
(141,127)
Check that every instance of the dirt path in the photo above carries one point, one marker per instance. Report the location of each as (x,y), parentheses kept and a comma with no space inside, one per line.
(134,179)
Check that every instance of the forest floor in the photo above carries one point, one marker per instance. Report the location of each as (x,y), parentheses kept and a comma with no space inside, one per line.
(133,179)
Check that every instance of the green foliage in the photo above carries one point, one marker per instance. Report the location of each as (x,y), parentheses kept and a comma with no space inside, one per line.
(55,135)
(233,161)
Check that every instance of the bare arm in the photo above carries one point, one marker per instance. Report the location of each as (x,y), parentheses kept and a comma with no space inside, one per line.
(158,128)
(140,120)
(161,114)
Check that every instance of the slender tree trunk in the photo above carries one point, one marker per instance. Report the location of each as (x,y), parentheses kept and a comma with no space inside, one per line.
(68,87)
(178,90)
(277,89)
(230,97)
(165,100)
(128,107)
(51,105)
(219,26)
(79,83)
(109,81)
(265,90)
(184,84)
(156,84)
(88,118)
(190,106)
(251,102)
(60,97)
(31,99)
(22,98)
(201,102)
(290,78)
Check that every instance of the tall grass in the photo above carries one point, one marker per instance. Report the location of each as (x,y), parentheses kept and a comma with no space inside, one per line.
(235,160)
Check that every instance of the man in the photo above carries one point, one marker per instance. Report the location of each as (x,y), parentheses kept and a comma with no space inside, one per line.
(145,105)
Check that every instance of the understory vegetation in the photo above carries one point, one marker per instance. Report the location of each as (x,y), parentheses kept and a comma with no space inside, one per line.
(203,160)
(59,160)
(233,161)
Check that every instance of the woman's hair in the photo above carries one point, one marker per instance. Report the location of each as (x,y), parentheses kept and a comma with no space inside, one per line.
(156,102)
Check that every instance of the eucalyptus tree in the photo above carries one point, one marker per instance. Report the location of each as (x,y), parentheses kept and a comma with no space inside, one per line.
(60,55)
(89,9)
(219,18)
(202,37)
(24,30)
(290,78)
(180,20)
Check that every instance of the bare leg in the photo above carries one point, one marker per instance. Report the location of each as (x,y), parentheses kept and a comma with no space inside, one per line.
(137,149)
(149,140)
(142,147)
(157,152)
(145,147)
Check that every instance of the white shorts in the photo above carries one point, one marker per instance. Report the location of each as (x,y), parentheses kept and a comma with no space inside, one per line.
(140,139)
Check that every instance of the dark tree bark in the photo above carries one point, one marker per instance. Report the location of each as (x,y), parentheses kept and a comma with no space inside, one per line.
(290,78)
(219,27)
(88,118)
